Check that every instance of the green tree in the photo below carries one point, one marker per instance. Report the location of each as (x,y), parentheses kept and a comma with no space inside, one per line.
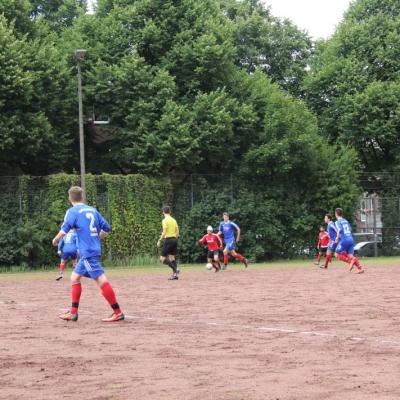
(276,46)
(33,103)
(354,80)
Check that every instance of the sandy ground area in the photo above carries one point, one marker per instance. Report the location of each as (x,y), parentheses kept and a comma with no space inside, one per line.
(258,334)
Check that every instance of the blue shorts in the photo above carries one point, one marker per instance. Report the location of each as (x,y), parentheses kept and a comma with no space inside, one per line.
(332,246)
(89,267)
(345,247)
(230,245)
(65,255)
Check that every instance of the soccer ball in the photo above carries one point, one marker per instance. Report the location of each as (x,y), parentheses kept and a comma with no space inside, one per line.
(209,266)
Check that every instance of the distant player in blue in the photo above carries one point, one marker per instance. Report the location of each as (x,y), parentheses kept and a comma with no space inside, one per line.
(345,242)
(67,249)
(228,229)
(332,232)
(90,227)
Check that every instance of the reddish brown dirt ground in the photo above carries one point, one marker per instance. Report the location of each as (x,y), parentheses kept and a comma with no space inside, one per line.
(266,333)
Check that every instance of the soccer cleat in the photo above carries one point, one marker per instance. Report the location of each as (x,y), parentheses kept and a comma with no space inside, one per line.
(69,317)
(174,277)
(323,266)
(224,266)
(59,277)
(360,271)
(316,263)
(114,318)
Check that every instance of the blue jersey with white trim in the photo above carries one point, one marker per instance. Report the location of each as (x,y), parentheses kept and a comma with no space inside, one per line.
(228,229)
(69,243)
(88,223)
(344,229)
(332,231)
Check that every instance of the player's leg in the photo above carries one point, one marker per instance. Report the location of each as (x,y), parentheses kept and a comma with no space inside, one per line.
(172,259)
(341,253)
(226,257)
(319,256)
(239,257)
(61,268)
(76,291)
(164,258)
(216,261)
(172,252)
(328,258)
(354,261)
(109,294)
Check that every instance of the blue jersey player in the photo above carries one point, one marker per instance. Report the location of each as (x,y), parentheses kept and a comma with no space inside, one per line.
(345,242)
(228,229)
(90,227)
(67,249)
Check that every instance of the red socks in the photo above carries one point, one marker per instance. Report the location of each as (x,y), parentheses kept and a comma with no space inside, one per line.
(62,267)
(239,257)
(109,295)
(76,291)
(106,289)
(328,260)
(343,257)
(226,259)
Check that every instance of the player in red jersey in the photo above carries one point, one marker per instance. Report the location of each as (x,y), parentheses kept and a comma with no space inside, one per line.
(323,243)
(214,243)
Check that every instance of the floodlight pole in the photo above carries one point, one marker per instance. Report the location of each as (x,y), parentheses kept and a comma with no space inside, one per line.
(79,56)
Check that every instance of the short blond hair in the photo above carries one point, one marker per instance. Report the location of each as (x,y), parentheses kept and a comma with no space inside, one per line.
(76,193)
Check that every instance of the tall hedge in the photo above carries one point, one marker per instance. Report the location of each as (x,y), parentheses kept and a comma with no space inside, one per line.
(32,210)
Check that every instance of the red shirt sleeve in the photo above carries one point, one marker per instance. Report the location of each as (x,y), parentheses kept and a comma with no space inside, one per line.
(203,240)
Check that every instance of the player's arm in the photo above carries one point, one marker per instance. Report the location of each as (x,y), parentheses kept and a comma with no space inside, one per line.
(177,231)
(163,232)
(220,230)
(58,237)
(68,224)
(104,226)
(237,231)
(219,241)
(60,246)
(202,241)
(337,232)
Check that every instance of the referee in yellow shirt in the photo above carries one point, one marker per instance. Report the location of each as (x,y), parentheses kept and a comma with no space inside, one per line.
(170,233)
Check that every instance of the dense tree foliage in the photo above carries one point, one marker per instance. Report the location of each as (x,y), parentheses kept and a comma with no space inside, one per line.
(205,87)
(354,83)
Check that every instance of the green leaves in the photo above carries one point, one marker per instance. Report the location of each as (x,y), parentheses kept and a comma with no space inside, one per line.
(354,81)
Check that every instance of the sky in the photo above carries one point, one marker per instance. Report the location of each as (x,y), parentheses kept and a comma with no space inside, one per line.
(318,17)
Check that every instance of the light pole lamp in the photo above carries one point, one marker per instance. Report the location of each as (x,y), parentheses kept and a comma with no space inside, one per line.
(79,57)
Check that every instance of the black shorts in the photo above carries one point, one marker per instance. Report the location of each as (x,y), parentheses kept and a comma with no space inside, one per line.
(212,253)
(170,247)
(323,249)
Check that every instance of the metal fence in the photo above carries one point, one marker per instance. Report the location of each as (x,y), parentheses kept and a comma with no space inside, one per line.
(376,219)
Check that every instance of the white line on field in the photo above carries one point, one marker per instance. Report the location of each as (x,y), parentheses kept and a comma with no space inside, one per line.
(264,329)
(173,321)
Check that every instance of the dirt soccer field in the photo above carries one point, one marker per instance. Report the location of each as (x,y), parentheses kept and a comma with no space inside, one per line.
(287,332)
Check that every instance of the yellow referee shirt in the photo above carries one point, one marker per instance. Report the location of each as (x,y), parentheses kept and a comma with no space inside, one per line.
(171,226)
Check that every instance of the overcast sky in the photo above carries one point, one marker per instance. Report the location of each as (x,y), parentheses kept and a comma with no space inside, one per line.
(318,17)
